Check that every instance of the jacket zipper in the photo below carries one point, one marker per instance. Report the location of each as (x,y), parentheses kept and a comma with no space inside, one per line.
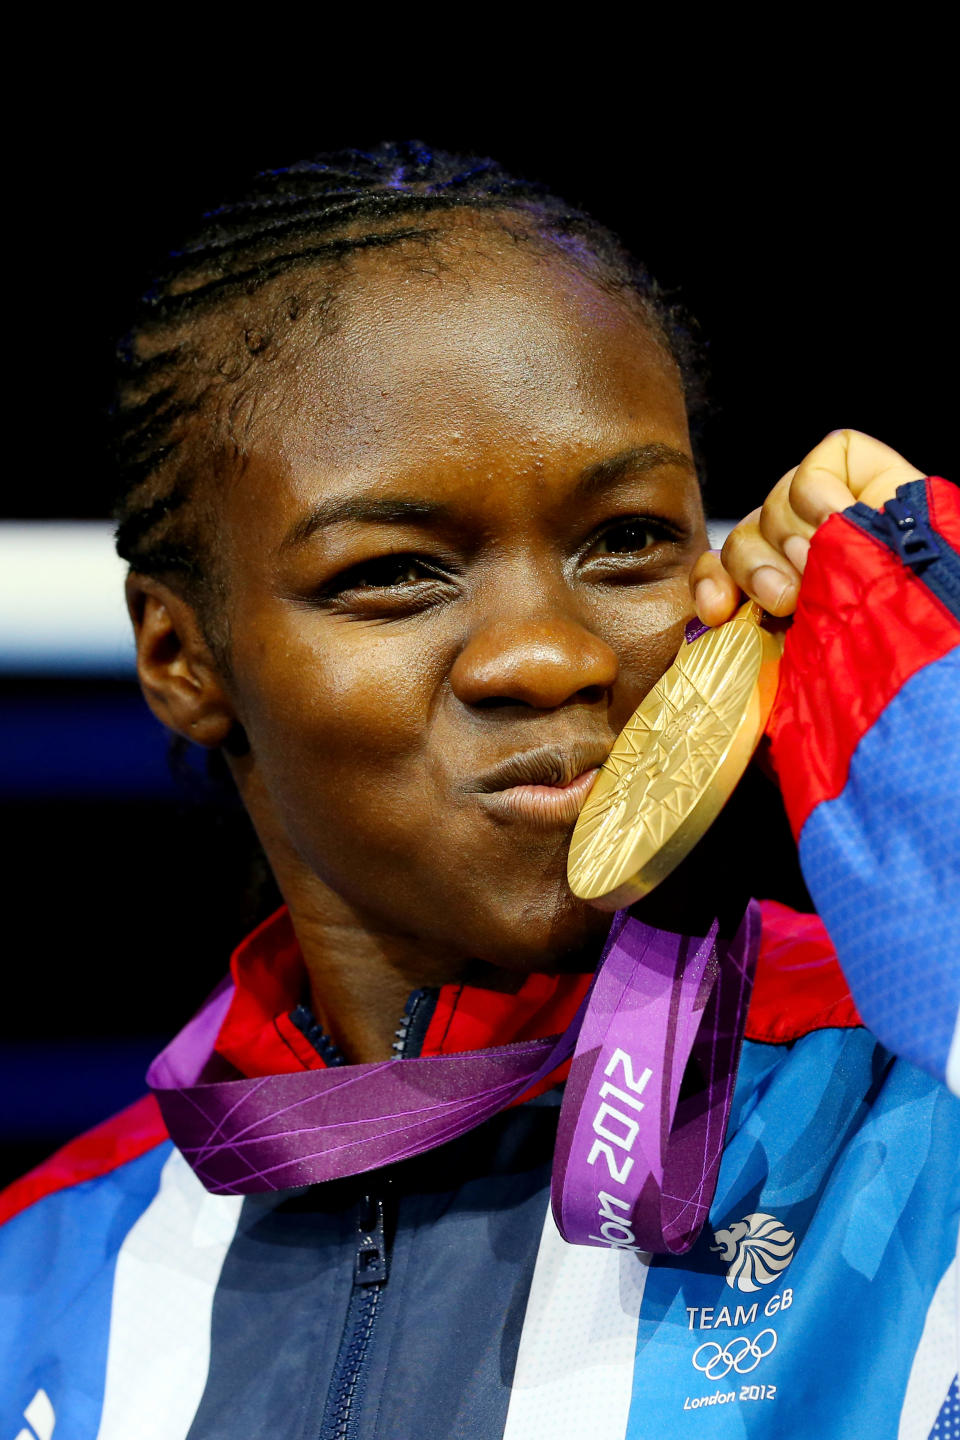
(904,528)
(370,1265)
(369,1281)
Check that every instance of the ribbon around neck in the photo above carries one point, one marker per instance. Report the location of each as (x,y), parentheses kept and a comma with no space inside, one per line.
(638,1150)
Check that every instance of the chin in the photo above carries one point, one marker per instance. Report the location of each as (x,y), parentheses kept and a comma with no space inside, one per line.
(564,936)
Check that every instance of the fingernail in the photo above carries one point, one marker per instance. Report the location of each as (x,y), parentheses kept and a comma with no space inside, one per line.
(796,550)
(770,586)
(707,595)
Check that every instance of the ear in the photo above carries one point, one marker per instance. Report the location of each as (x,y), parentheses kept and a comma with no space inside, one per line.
(178,673)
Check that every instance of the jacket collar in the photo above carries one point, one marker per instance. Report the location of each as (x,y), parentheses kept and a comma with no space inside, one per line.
(799,987)
(258,1036)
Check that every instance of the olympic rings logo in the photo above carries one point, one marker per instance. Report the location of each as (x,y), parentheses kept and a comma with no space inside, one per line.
(741,1355)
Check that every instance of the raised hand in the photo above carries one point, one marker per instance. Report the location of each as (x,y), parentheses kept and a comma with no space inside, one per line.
(765,555)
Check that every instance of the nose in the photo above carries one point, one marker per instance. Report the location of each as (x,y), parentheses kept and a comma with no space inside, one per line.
(540,661)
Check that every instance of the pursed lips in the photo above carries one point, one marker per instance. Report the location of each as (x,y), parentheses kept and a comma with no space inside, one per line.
(546,785)
(552,765)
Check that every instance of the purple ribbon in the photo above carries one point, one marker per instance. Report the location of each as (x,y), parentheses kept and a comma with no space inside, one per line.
(695,628)
(636,1162)
(637,1158)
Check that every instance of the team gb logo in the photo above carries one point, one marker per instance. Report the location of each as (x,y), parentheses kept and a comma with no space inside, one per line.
(757,1249)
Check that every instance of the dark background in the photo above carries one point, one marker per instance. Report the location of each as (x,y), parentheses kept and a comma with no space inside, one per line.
(803,221)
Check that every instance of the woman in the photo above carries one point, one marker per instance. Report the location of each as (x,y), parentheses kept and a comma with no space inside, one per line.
(412,514)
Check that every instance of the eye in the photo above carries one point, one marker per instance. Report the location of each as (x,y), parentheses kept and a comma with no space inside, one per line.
(388,583)
(634,549)
(628,537)
(384,573)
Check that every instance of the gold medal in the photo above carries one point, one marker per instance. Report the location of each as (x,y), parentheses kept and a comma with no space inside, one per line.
(676,762)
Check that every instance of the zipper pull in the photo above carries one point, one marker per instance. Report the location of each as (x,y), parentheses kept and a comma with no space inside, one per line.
(370,1261)
(911,536)
(409,1034)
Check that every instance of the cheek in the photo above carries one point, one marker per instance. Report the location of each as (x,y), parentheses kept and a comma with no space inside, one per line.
(324,705)
(645,632)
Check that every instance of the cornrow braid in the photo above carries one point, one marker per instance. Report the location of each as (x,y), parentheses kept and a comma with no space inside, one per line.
(190,355)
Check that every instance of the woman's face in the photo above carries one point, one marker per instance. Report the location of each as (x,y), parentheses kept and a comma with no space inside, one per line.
(463,535)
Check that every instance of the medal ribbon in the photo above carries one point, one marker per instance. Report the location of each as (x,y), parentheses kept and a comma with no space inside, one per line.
(658,1001)
(638,1152)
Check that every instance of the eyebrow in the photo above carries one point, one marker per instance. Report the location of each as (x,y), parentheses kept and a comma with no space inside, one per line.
(364,508)
(639,459)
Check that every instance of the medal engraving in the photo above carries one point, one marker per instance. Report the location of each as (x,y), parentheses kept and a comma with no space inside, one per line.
(676,763)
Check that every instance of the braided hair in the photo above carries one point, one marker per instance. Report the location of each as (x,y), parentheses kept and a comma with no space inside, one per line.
(209,324)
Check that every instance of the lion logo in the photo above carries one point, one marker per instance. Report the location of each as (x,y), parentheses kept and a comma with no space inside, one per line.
(757,1249)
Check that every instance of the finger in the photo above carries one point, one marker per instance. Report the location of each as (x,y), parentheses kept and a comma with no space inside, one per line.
(782,527)
(845,467)
(874,468)
(761,570)
(716,595)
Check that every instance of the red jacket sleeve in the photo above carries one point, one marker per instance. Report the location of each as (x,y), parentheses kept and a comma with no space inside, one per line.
(865,738)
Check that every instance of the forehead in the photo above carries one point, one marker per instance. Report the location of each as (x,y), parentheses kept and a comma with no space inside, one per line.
(454,358)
